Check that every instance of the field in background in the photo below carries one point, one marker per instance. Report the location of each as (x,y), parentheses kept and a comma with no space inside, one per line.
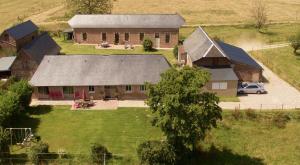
(252,140)
(283,62)
(194,11)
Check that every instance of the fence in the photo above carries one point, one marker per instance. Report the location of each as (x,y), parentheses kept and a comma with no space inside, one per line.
(243,106)
(59,158)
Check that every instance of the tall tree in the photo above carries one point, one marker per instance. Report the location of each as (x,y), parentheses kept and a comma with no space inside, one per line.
(259,13)
(295,42)
(90,6)
(181,109)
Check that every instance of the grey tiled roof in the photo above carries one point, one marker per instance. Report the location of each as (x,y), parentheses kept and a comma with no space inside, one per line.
(21,30)
(6,62)
(41,46)
(127,21)
(198,44)
(223,74)
(239,55)
(98,70)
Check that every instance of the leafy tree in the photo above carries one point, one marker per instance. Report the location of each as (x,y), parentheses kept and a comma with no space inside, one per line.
(9,107)
(97,153)
(181,109)
(175,51)
(90,6)
(36,152)
(259,13)
(24,92)
(4,144)
(148,45)
(295,42)
(156,153)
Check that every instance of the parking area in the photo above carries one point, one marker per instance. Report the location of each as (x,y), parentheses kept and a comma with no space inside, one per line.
(280,95)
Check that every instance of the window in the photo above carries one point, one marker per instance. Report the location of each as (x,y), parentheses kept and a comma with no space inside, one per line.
(91,89)
(84,36)
(156,35)
(68,90)
(126,36)
(142,36)
(252,87)
(167,37)
(142,88)
(43,90)
(219,85)
(128,88)
(103,36)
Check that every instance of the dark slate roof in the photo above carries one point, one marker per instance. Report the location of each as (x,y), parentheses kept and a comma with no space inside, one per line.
(6,63)
(41,46)
(98,70)
(223,74)
(21,30)
(239,55)
(198,45)
(127,21)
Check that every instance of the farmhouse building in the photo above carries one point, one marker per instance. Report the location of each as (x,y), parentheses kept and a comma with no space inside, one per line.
(17,36)
(97,76)
(30,56)
(162,29)
(227,63)
(5,66)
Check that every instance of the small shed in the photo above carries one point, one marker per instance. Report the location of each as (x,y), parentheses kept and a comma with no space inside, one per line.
(68,34)
(5,65)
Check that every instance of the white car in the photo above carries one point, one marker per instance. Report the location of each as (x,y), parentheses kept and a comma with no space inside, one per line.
(247,88)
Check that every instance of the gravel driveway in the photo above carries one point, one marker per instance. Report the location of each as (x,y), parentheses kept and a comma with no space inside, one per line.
(281,95)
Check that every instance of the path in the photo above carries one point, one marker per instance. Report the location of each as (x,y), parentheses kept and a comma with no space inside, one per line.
(41,18)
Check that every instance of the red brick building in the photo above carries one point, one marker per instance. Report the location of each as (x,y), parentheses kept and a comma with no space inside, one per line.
(162,29)
(226,63)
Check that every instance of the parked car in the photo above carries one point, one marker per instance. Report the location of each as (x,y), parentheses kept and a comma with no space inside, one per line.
(251,88)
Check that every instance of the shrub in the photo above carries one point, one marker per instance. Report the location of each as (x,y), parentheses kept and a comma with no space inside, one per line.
(97,153)
(24,92)
(281,119)
(4,144)
(156,152)
(237,114)
(148,45)
(251,114)
(9,107)
(175,51)
(36,152)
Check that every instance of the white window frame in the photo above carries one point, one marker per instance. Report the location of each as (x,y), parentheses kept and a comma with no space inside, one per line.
(219,86)
(129,87)
(143,88)
(92,91)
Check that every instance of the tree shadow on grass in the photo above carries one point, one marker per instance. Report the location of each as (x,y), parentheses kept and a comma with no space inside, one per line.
(40,109)
(215,156)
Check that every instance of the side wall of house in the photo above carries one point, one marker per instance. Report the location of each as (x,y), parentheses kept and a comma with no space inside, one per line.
(94,36)
(230,91)
(24,66)
(247,74)
(7,42)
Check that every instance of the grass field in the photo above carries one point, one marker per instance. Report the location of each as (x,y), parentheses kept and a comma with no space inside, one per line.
(283,62)
(194,11)
(237,142)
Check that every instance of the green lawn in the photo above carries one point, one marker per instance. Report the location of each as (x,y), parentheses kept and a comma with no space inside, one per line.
(237,142)
(245,33)
(68,47)
(283,62)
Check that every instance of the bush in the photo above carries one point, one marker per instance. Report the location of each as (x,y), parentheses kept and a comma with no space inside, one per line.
(9,107)
(36,152)
(24,92)
(148,45)
(237,114)
(97,153)
(4,144)
(251,114)
(175,51)
(281,119)
(156,153)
